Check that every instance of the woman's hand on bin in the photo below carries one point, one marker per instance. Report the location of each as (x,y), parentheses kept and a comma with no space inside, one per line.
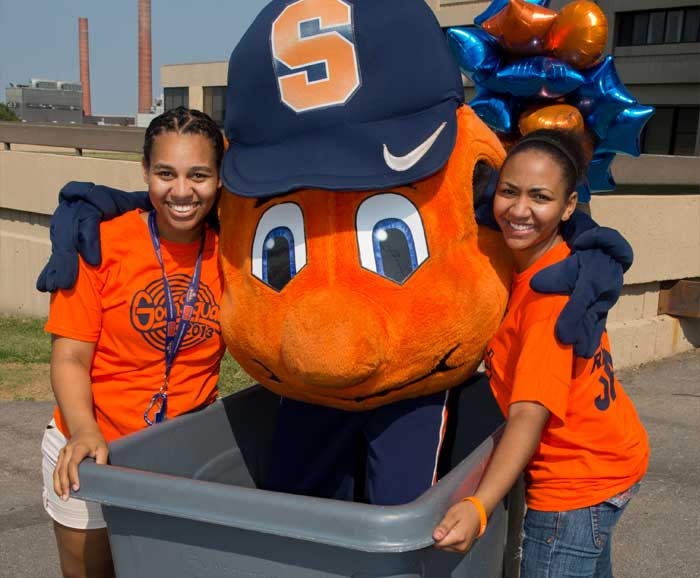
(458,529)
(87,443)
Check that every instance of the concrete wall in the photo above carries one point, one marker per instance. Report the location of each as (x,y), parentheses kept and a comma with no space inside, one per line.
(664,231)
(657,208)
(29,185)
(662,222)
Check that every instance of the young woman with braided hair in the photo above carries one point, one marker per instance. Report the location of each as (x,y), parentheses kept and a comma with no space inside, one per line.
(137,340)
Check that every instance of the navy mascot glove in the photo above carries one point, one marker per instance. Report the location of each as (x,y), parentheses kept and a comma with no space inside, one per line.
(592,275)
(75,228)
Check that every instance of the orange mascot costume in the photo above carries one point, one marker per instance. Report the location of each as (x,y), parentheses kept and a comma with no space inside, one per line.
(356,275)
(344,334)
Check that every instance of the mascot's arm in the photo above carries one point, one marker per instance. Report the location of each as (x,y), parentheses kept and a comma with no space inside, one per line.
(592,275)
(75,228)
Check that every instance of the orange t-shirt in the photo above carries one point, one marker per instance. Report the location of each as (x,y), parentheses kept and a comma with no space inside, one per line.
(593,445)
(120,306)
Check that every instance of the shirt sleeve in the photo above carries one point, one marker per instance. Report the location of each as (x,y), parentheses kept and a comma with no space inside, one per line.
(543,370)
(77,313)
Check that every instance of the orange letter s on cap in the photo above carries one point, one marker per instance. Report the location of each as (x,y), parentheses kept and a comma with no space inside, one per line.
(328,48)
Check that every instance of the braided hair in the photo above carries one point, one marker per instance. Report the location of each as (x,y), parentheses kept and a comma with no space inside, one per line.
(184,121)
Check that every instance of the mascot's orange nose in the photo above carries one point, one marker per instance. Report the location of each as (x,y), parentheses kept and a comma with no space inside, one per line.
(332,339)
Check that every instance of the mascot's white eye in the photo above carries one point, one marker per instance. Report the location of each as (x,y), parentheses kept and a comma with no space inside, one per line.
(279,245)
(390,236)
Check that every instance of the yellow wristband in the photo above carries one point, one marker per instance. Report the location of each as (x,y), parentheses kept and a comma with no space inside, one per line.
(483,520)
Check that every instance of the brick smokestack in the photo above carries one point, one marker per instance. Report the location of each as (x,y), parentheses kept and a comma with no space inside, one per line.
(84,64)
(145,71)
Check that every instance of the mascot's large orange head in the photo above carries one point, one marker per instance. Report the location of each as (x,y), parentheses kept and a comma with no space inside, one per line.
(355,272)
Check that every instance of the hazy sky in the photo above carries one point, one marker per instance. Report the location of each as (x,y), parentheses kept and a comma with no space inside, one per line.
(39,39)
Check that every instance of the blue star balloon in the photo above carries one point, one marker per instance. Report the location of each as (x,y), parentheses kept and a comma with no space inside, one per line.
(497,5)
(601,97)
(505,88)
(624,132)
(498,111)
(478,53)
(599,176)
(537,76)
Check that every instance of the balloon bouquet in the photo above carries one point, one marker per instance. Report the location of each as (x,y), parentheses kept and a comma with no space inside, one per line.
(536,68)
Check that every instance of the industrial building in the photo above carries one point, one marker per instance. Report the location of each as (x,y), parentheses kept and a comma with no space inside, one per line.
(656,44)
(46,101)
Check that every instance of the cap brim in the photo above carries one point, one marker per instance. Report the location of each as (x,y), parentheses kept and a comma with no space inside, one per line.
(345,157)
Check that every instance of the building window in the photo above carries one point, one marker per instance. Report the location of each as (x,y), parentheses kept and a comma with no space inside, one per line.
(674,26)
(657,24)
(691,25)
(215,103)
(658,27)
(175,97)
(671,131)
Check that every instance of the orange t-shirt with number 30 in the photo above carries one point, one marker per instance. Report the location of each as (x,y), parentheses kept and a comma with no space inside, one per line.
(593,446)
(120,306)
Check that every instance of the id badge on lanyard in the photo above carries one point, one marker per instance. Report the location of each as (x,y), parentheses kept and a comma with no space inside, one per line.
(174,331)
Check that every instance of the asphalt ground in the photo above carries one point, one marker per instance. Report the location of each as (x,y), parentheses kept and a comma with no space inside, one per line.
(657,537)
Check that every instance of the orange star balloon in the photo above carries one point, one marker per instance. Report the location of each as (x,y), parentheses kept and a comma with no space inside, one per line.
(579,34)
(554,117)
(521,27)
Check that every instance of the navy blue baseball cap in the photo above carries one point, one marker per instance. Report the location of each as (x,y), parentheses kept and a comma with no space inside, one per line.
(339,95)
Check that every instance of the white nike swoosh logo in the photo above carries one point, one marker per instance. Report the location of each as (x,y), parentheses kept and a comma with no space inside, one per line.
(405,162)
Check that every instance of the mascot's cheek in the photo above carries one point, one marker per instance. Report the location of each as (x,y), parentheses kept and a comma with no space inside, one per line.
(454,314)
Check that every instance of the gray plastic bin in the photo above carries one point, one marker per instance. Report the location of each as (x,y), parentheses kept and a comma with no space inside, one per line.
(180,500)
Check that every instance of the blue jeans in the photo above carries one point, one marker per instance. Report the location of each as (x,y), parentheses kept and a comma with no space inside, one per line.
(570,544)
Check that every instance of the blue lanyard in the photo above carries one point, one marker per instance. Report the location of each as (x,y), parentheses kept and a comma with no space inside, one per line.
(174,332)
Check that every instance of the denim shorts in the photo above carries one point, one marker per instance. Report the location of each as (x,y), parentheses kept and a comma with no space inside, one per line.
(573,543)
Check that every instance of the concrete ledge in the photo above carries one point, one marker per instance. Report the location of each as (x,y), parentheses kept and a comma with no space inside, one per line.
(30,181)
(663,230)
(636,302)
(23,251)
(127,139)
(657,169)
(643,340)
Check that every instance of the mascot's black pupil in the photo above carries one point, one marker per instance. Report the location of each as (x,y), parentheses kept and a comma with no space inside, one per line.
(483,175)
(396,255)
(279,266)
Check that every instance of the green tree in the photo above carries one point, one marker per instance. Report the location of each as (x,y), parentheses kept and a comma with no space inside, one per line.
(6,113)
